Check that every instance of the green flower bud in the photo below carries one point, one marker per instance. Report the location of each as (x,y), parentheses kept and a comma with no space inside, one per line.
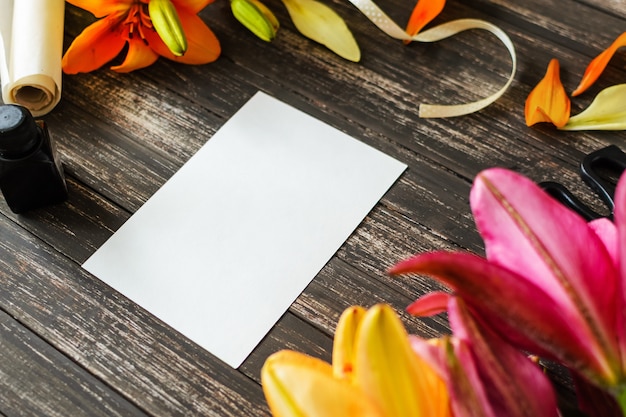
(255,16)
(167,24)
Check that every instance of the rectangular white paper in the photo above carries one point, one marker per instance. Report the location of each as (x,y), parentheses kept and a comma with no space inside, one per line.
(231,240)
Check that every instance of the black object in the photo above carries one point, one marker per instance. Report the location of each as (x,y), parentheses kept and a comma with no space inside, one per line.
(31,175)
(600,170)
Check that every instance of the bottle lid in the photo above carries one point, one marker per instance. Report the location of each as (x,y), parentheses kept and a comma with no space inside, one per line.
(19,132)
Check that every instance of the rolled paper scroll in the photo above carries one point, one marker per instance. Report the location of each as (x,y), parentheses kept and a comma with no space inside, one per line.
(31,47)
(437,33)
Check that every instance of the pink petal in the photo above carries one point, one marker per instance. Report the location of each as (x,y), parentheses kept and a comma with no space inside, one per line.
(517,307)
(516,387)
(607,232)
(620,223)
(526,230)
(430,350)
(468,393)
(430,304)
(452,360)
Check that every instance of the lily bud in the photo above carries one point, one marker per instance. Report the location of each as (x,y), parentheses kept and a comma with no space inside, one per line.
(167,24)
(344,341)
(255,16)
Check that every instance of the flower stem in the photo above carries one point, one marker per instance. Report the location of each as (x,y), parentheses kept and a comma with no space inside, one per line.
(621,400)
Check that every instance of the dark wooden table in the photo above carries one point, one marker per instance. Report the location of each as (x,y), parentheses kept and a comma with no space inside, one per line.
(71,346)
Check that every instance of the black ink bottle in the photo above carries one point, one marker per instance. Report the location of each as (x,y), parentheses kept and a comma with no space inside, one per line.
(31,175)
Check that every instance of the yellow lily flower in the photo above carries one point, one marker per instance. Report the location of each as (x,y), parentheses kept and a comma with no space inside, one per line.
(375,372)
(174,31)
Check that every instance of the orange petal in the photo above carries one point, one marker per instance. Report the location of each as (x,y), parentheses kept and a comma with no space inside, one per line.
(548,102)
(100,8)
(202,44)
(139,55)
(423,13)
(95,46)
(597,65)
(193,6)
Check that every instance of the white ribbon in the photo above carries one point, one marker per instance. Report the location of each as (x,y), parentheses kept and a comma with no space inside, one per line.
(384,23)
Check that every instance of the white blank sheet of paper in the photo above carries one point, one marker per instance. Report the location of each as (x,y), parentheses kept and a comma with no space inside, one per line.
(231,240)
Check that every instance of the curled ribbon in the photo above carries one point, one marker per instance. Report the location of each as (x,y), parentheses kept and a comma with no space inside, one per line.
(443,31)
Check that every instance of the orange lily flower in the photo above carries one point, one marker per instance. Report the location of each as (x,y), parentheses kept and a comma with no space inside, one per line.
(548,102)
(423,13)
(597,65)
(128,22)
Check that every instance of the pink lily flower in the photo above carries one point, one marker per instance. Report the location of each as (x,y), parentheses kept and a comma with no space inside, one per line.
(485,375)
(551,283)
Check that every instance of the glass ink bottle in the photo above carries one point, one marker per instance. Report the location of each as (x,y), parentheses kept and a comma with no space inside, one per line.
(31,175)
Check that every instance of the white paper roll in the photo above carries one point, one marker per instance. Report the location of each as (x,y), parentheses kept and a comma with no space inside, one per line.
(31,49)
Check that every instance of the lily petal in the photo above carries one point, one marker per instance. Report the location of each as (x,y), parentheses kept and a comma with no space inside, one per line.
(139,56)
(517,308)
(429,304)
(299,385)
(202,44)
(423,13)
(389,371)
(192,6)
(527,230)
(620,222)
(516,387)
(598,64)
(607,232)
(606,112)
(548,101)
(319,22)
(98,44)
(101,8)
(344,341)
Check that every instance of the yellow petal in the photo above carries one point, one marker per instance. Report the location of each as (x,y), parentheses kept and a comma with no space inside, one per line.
(606,112)
(299,385)
(548,101)
(320,23)
(343,343)
(391,373)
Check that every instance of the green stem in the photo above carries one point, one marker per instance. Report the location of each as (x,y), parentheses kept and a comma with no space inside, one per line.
(621,400)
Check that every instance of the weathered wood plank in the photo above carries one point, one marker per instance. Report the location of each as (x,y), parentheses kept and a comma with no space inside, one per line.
(112,338)
(37,380)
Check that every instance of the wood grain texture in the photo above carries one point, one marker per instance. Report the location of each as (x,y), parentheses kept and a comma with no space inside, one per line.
(32,371)
(77,346)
